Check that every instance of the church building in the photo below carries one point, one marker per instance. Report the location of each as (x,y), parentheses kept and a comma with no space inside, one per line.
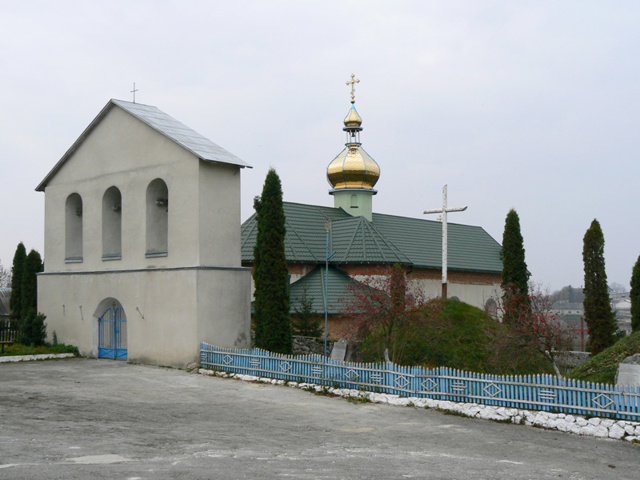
(364,240)
(142,241)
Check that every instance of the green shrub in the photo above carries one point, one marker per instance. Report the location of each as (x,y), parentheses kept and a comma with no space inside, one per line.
(33,330)
(454,334)
(304,321)
(20,349)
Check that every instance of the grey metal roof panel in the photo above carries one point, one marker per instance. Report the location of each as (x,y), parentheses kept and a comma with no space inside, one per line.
(189,139)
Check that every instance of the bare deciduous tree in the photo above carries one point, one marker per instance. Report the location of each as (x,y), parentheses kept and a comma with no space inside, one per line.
(535,325)
(5,277)
(616,287)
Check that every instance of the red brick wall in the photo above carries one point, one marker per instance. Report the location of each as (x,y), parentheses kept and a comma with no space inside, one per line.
(475,278)
(339,326)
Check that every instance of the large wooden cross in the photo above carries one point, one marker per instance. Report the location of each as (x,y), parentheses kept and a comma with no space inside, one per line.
(444,210)
(353,82)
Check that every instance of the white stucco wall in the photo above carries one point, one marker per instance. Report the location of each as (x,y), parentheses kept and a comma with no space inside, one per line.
(181,308)
(197,292)
(129,155)
(475,294)
(224,307)
(471,293)
(219,214)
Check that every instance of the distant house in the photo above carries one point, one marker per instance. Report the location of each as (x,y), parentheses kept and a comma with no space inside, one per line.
(5,294)
(571,315)
(568,309)
(142,241)
(621,306)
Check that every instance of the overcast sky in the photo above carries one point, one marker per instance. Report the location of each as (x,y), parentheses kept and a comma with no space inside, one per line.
(532,105)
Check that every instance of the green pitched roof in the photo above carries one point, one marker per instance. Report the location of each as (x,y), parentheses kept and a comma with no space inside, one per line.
(355,240)
(314,283)
(388,239)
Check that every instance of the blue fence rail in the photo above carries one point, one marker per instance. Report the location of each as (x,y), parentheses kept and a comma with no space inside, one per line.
(530,392)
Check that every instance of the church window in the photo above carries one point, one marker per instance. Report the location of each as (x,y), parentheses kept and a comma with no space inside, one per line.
(112,224)
(354,201)
(157,219)
(73,229)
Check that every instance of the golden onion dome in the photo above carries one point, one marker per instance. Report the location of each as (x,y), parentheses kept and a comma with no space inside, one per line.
(353,168)
(352,119)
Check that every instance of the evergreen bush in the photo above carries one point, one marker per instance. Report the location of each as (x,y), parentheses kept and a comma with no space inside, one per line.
(15,300)
(635,297)
(305,322)
(29,291)
(33,331)
(515,275)
(597,306)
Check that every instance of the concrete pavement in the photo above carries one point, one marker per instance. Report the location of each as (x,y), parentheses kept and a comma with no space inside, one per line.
(84,418)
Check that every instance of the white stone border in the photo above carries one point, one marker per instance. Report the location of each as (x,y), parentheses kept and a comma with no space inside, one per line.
(27,358)
(579,425)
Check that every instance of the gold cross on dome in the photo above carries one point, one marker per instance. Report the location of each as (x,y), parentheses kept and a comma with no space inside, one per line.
(353,82)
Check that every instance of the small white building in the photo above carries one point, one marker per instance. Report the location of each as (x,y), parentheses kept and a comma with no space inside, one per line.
(142,241)
(621,306)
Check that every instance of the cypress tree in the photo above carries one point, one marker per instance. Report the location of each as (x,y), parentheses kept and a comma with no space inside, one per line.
(515,275)
(15,300)
(29,295)
(635,297)
(597,309)
(270,273)
(514,267)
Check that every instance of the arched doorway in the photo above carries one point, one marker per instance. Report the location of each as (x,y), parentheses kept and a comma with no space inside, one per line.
(112,330)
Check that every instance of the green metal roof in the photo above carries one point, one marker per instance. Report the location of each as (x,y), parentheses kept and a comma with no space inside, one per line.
(314,282)
(355,240)
(388,239)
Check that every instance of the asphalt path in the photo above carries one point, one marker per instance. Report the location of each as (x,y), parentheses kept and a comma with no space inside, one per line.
(94,419)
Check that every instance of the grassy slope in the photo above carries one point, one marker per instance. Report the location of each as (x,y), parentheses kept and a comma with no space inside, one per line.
(476,342)
(460,337)
(464,337)
(603,367)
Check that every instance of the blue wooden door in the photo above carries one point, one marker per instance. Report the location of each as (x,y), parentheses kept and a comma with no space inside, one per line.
(112,334)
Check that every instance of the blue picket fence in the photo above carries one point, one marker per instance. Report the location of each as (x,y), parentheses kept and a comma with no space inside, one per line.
(530,392)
